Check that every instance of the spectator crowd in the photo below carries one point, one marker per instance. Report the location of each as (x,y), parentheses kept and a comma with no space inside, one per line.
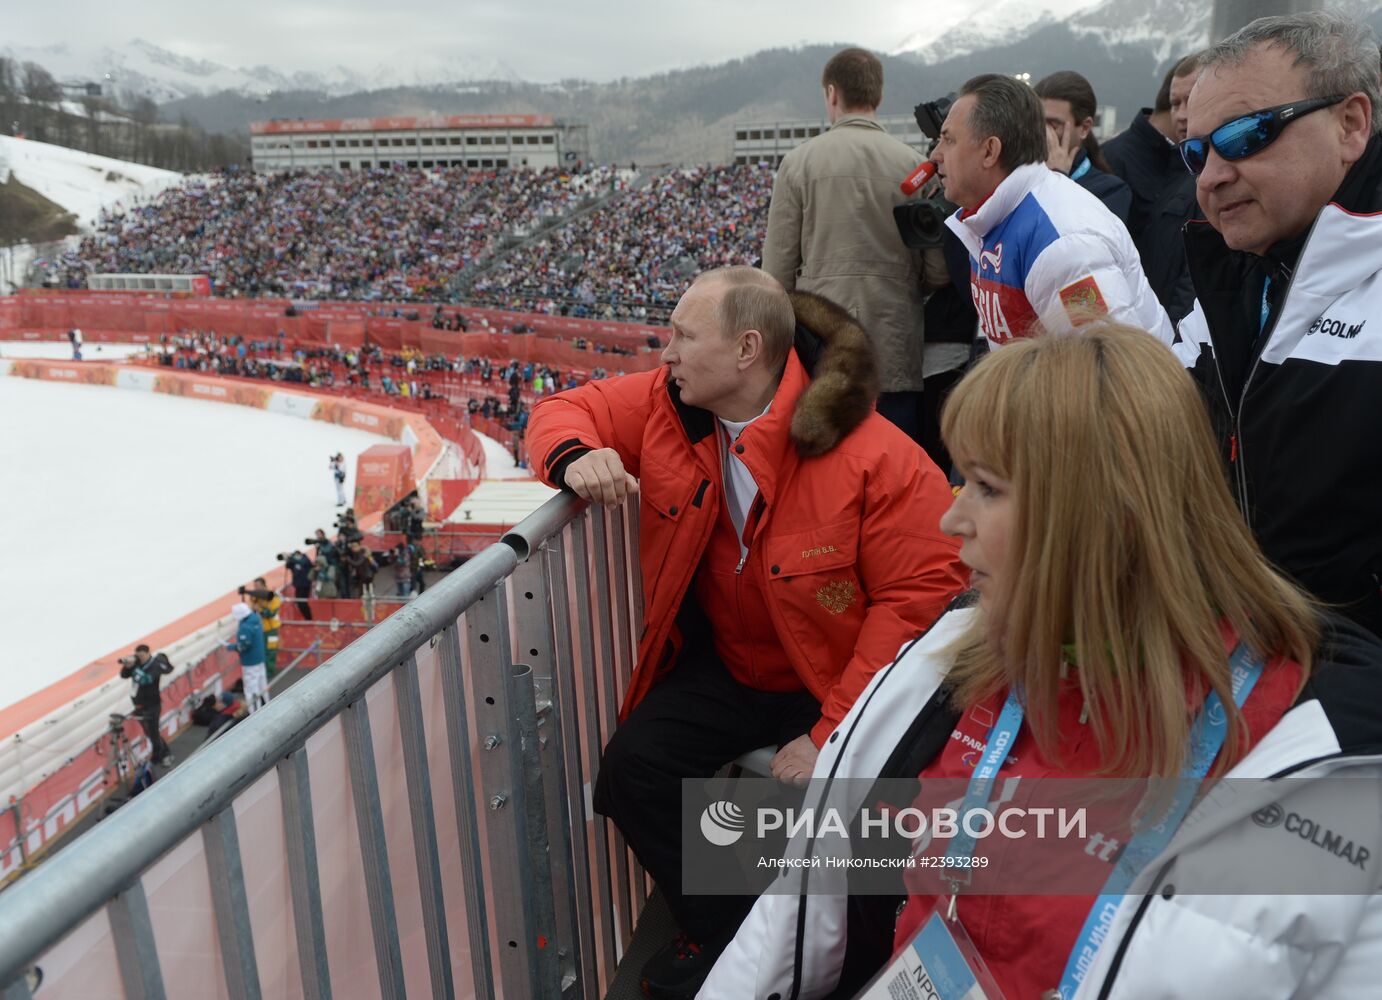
(407,235)
(362,235)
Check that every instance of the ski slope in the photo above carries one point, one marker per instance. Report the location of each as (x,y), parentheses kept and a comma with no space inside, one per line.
(82,183)
(123,511)
(499,460)
(54,350)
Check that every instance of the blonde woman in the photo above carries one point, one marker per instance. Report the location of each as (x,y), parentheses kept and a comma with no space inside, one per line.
(1123,613)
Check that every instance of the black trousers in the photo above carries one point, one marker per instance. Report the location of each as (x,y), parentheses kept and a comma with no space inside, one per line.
(300,595)
(690,725)
(148,718)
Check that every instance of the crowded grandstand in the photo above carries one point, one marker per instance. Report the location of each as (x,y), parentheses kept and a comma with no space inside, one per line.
(398,234)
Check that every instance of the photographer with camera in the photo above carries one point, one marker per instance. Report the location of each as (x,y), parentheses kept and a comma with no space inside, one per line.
(299,567)
(338,476)
(267,605)
(1045,254)
(146,672)
(359,562)
(325,548)
(831,230)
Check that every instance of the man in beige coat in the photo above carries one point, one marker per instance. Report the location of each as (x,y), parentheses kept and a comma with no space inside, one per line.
(831,229)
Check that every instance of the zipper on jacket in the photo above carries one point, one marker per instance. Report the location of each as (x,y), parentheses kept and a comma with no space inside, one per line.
(1237,450)
(1126,940)
(1127,935)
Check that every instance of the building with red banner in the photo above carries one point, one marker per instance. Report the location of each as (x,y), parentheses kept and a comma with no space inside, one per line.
(478,142)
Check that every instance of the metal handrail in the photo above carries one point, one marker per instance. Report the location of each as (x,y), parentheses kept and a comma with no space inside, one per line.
(45,905)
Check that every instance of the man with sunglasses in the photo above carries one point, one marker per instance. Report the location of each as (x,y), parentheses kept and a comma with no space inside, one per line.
(1286,334)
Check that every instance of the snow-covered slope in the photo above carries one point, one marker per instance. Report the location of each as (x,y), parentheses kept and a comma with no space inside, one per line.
(1166,27)
(81,182)
(141,68)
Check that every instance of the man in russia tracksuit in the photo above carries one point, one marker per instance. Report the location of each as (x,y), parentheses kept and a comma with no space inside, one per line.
(1045,254)
(249,643)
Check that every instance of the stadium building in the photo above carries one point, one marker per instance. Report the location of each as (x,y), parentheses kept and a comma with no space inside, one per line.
(472,141)
(769,142)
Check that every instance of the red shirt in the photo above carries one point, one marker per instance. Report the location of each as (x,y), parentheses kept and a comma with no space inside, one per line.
(1027,940)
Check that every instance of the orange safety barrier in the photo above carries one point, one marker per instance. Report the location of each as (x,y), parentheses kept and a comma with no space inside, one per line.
(139,317)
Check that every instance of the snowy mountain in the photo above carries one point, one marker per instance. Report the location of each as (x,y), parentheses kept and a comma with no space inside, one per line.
(143,69)
(1166,28)
(951,34)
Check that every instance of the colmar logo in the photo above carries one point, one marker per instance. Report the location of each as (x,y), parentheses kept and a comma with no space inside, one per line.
(1336,328)
(722,823)
(993,258)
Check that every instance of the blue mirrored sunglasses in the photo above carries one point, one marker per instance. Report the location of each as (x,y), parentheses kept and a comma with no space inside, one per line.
(1252,133)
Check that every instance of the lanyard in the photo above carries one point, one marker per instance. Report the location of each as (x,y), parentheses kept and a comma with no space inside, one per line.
(1206,738)
(1002,736)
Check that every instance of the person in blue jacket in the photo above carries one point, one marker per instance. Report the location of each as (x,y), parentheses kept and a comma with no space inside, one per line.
(1070,105)
(249,643)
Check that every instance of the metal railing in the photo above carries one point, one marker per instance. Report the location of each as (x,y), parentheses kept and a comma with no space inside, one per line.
(445,756)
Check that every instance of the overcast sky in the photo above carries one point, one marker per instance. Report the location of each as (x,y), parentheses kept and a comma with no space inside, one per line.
(538,39)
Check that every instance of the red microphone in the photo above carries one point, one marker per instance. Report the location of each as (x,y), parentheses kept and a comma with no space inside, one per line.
(917,179)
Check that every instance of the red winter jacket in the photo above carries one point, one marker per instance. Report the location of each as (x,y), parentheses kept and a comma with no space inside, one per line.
(848,537)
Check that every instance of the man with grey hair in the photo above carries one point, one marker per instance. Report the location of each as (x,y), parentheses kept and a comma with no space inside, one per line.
(1045,254)
(790,543)
(1285,338)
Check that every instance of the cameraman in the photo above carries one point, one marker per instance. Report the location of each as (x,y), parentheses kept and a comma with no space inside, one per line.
(831,230)
(147,673)
(338,476)
(299,567)
(359,562)
(326,549)
(267,605)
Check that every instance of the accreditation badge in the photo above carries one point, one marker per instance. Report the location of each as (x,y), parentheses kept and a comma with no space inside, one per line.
(940,962)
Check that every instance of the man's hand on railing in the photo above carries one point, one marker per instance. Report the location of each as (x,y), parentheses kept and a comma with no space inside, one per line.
(599,476)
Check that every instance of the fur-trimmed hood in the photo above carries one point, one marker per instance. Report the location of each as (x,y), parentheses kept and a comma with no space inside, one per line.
(837,354)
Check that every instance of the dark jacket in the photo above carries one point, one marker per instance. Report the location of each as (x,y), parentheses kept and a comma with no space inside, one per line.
(1296,405)
(147,677)
(1163,200)
(301,569)
(361,565)
(1108,188)
(1147,161)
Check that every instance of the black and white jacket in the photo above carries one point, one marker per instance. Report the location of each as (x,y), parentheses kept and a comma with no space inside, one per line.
(1164,940)
(1297,406)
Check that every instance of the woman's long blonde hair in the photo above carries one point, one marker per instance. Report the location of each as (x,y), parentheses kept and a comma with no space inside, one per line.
(1127,546)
